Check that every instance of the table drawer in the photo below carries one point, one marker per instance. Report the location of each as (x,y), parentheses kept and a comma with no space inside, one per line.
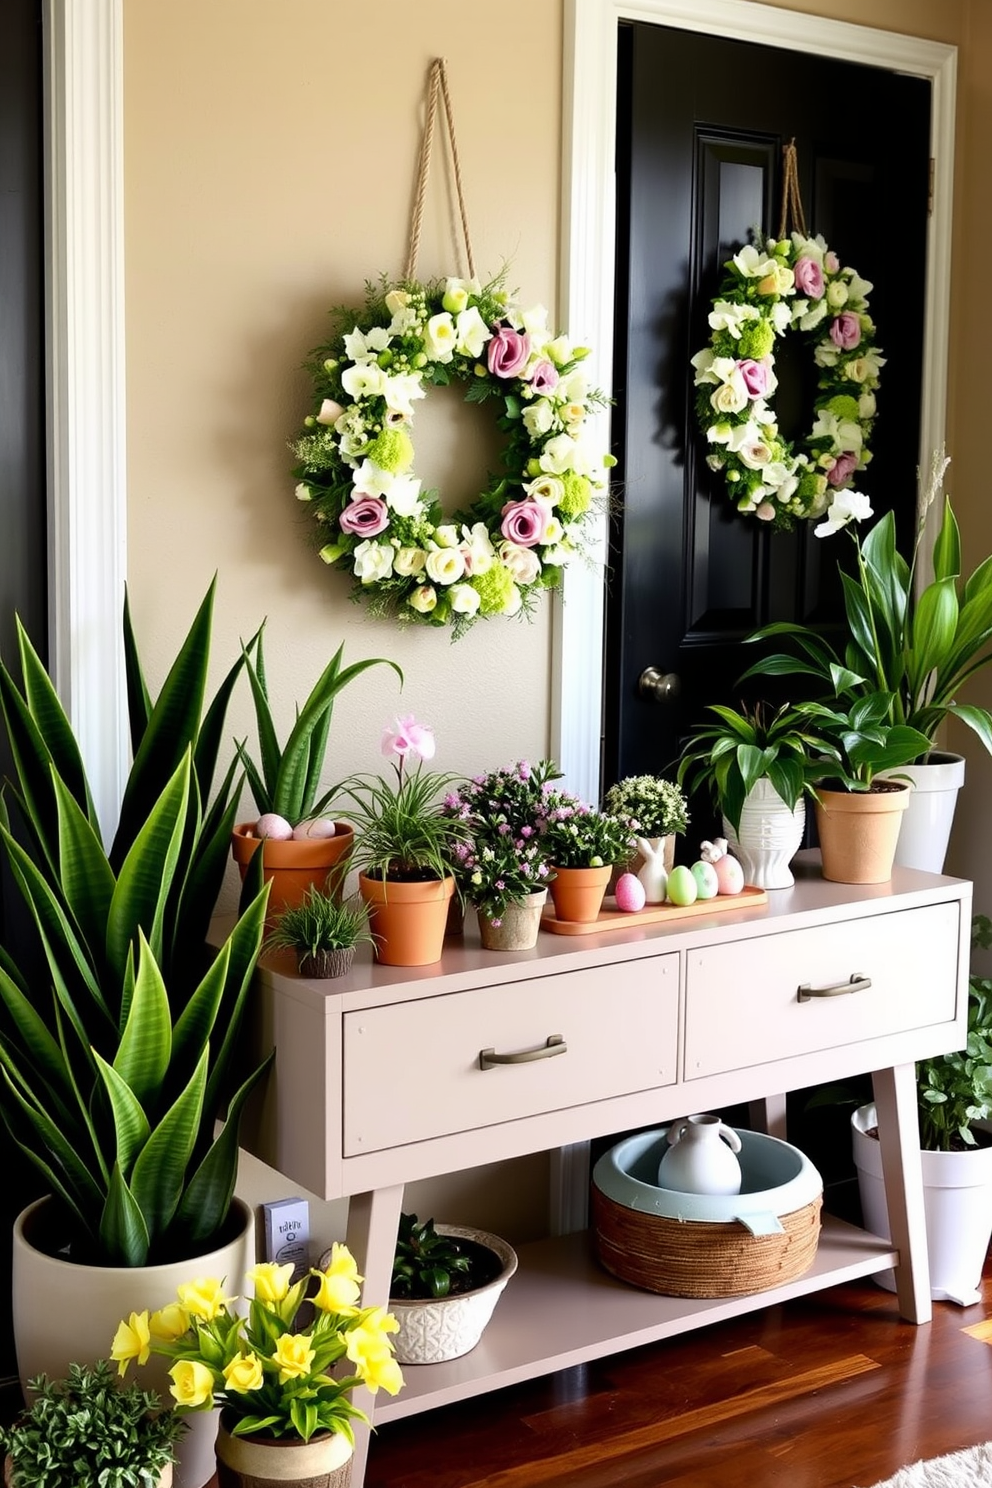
(412,1070)
(743,1005)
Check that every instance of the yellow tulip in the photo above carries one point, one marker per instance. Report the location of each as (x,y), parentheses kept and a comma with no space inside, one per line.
(244,1373)
(192,1383)
(203,1298)
(169,1322)
(339,1285)
(131,1341)
(294,1356)
(271,1281)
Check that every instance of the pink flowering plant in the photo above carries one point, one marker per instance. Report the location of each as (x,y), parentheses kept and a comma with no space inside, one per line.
(577,835)
(504,857)
(375,521)
(403,831)
(274,1374)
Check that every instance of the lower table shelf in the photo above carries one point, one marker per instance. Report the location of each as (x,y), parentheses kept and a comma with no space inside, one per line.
(562,1308)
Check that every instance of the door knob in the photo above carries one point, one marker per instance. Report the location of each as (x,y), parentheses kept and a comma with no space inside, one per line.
(658,687)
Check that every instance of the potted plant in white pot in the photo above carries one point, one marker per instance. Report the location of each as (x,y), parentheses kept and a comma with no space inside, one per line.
(446,1282)
(84,1430)
(917,643)
(120,1029)
(955,1095)
(657,810)
(300,846)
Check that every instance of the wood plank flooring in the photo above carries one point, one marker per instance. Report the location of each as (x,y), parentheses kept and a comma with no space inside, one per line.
(832,1391)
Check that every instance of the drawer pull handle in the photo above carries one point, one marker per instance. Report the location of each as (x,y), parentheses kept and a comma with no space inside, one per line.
(856,983)
(489,1059)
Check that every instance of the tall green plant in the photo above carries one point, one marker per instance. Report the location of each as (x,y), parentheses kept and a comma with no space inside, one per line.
(117,1062)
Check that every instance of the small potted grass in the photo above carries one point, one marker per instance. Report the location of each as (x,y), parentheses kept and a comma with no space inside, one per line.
(322,933)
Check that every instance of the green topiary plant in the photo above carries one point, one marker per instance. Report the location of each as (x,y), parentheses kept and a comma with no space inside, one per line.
(83,1430)
(427,1264)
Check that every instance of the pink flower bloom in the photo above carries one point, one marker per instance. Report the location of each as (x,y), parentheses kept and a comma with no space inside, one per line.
(365,514)
(508,352)
(408,739)
(832,262)
(843,468)
(765,512)
(524,522)
(755,375)
(809,278)
(845,330)
(544,378)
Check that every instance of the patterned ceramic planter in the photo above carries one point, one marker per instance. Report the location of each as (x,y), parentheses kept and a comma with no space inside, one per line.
(447,1327)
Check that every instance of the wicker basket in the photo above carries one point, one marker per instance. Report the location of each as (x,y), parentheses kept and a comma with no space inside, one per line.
(694,1245)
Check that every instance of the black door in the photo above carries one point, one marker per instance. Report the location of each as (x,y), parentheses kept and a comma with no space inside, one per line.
(701,125)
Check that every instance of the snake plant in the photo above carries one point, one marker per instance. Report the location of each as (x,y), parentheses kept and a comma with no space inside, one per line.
(118,1029)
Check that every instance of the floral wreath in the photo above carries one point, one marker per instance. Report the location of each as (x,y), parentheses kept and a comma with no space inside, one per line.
(796,283)
(355,456)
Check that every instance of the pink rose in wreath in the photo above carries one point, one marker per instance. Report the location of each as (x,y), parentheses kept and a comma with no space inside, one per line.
(525,522)
(544,378)
(755,375)
(845,330)
(843,468)
(809,278)
(368,515)
(508,352)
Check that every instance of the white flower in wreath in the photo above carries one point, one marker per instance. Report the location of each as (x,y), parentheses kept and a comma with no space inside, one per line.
(826,354)
(858,289)
(409,561)
(523,563)
(477,550)
(846,506)
(780,315)
(719,433)
(867,406)
(446,535)
(401,390)
(364,380)
(464,599)
(471,332)
(753,263)
(445,565)
(732,318)
(514,601)
(403,496)
(864,368)
(554,533)
(361,346)
(844,434)
(837,294)
(397,300)
(548,488)
(812,317)
(560,454)
(330,412)
(731,396)
(813,248)
(440,340)
(423,599)
(352,445)
(572,389)
(373,561)
(538,417)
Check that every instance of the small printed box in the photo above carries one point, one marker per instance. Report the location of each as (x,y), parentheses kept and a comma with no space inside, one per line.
(287,1234)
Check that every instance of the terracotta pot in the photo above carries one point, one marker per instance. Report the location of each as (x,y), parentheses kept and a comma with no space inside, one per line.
(858,832)
(292,868)
(407,920)
(280,1462)
(518,925)
(578,893)
(325,964)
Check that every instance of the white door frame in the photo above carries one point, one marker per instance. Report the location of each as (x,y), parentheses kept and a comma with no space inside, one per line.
(588,218)
(84,282)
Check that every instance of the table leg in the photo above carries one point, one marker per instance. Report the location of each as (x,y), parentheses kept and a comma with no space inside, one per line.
(373,1221)
(899,1137)
(768,1115)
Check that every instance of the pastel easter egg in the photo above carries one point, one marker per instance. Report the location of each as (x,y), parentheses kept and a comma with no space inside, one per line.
(274,826)
(681,885)
(316,829)
(630,895)
(707,882)
(730,875)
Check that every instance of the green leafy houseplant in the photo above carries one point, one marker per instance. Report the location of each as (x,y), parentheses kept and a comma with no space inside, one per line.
(322,932)
(576,835)
(955,1090)
(431,1264)
(654,806)
(286,778)
(84,1430)
(742,745)
(118,1031)
(859,740)
(915,645)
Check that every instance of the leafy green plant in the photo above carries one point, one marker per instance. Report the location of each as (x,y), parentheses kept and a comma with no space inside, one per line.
(858,740)
(118,1031)
(741,746)
(955,1090)
(285,780)
(915,646)
(427,1264)
(656,807)
(320,923)
(84,1430)
(576,835)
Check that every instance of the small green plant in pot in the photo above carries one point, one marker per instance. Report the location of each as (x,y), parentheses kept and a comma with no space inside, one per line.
(582,845)
(446,1282)
(84,1430)
(323,933)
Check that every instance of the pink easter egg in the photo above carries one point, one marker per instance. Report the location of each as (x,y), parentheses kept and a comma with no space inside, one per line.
(729,875)
(318,828)
(274,826)
(630,895)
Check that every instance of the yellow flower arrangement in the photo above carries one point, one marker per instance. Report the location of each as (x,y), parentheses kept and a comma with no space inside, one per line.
(272,1380)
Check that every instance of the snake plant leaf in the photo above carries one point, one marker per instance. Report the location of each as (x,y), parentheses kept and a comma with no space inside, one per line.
(36,1049)
(49,718)
(202,885)
(84,873)
(146,874)
(171,730)
(76,1177)
(213,732)
(139,703)
(159,1173)
(54,1183)
(196,1024)
(130,1122)
(145,1048)
(244,943)
(268,742)
(209,1192)
(124,1237)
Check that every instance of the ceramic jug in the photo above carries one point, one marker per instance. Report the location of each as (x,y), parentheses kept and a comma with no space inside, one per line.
(652,873)
(701,1157)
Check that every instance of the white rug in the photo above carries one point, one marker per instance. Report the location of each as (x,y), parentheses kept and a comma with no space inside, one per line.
(970,1469)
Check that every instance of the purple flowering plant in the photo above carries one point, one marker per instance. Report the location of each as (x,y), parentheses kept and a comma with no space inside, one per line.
(577,835)
(504,855)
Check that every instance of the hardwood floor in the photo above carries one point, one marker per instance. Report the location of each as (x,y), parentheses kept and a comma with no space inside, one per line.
(829,1392)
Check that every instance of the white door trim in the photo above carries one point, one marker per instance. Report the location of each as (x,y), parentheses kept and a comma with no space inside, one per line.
(588,220)
(87,506)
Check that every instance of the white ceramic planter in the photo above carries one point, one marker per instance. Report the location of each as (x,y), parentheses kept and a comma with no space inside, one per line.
(957,1199)
(48,1291)
(926,823)
(769,837)
(447,1327)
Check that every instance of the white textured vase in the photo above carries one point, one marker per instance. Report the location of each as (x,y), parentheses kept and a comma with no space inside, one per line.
(769,837)
(927,820)
(447,1327)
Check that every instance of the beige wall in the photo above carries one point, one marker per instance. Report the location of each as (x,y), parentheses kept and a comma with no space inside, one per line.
(270,156)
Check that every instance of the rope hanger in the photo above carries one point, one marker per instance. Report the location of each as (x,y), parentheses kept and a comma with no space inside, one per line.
(792,205)
(437,82)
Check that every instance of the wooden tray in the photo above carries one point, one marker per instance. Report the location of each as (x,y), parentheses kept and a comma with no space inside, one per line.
(611,918)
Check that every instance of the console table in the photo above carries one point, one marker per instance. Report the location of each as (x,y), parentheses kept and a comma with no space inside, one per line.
(378,1081)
